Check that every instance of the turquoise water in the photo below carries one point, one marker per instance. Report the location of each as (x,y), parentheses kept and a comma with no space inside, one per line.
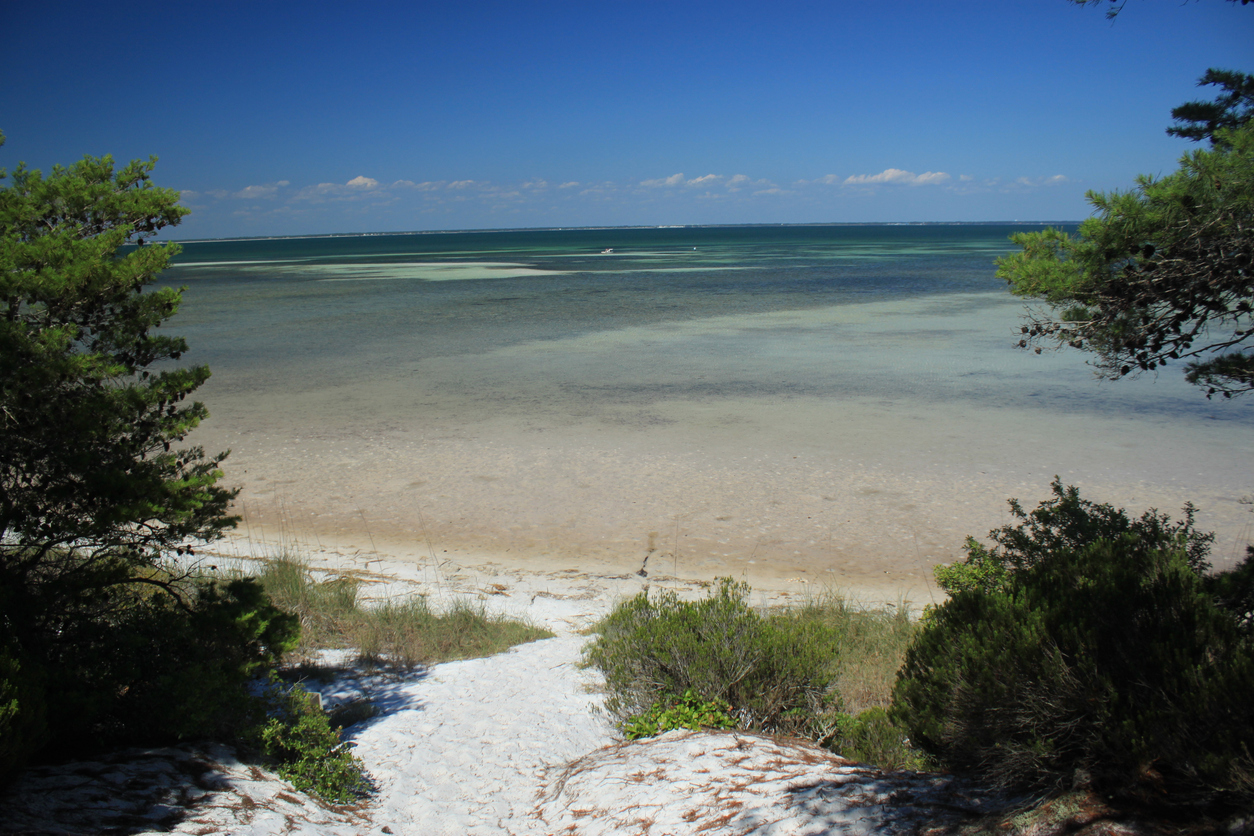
(539,396)
(430,295)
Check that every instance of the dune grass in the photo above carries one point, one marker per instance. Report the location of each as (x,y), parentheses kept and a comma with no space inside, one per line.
(873,643)
(410,633)
(407,632)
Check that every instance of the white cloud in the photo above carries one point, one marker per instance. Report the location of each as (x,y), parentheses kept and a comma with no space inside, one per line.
(266,192)
(603,189)
(535,184)
(743,181)
(1022,183)
(707,180)
(673,180)
(898,176)
(359,188)
(888,175)
(425,186)
(572,184)
(461,184)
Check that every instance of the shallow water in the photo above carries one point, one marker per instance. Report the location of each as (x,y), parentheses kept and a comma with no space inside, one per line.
(840,404)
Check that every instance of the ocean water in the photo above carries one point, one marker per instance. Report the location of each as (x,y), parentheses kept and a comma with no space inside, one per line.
(837,404)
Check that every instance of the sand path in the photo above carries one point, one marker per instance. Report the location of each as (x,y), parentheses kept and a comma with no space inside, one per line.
(509,744)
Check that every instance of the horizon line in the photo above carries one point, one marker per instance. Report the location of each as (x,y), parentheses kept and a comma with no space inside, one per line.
(604,228)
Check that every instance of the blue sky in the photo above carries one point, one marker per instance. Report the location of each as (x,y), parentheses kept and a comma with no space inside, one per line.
(279,118)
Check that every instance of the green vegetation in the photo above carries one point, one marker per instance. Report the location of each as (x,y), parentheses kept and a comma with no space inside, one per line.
(109,632)
(720,663)
(777,674)
(301,741)
(1232,108)
(1085,647)
(410,632)
(406,632)
(1067,522)
(874,736)
(686,712)
(137,663)
(103,639)
(1162,272)
(1099,653)
(323,609)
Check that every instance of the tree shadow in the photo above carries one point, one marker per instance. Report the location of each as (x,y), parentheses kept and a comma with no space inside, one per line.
(358,695)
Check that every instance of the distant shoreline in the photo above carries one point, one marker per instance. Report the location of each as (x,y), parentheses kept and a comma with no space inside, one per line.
(609,228)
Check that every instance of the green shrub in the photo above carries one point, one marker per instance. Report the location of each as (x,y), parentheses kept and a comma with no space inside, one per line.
(871,642)
(1067,521)
(1234,591)
(777,674)
(686,712)
(1106,662)
(306,750)
(874,736)
(181,669)
(140,659)
(982,570)
(23,715)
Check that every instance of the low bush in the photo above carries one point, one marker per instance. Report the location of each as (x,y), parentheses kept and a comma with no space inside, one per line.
(874,736)
(1067,521)
(190,662)
(305,748)
(111,656)
(1099,657)
(872,644)
(687,712)
(23,715)
(777,674)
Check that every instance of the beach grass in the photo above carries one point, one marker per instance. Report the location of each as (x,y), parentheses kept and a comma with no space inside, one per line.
(407,632)
(326,608)
(873,642)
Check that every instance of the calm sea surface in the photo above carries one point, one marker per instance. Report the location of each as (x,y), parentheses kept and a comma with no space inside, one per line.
(842,402)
